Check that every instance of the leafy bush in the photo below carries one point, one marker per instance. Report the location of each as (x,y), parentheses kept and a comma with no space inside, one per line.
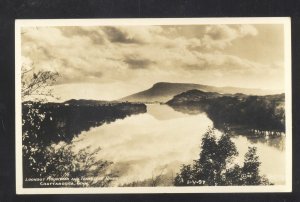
(215,165)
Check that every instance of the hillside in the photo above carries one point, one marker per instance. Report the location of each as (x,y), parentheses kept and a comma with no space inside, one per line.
(259,112)
(164,91)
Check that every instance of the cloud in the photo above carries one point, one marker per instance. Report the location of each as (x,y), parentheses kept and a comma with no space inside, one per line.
(142,34)
(138,63)
(221,36)
(96,35)
(143,54)
(245,30)
(119,36)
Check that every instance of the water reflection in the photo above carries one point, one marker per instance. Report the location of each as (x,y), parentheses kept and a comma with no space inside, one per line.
(164,112)
(57,122)
(274,139)
(164,138)
(272,159)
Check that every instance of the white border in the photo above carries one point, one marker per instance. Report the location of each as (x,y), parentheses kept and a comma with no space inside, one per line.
(163,21)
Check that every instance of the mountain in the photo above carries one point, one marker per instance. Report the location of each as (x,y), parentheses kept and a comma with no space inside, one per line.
(193,96)
(164,91)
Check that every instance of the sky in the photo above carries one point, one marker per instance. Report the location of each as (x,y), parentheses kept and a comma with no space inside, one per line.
(111,62)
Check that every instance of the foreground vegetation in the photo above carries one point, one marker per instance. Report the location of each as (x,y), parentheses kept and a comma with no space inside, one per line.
(49,157)
(216,167)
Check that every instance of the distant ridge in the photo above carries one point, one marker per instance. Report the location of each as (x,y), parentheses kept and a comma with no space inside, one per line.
(85,102)
(164,91)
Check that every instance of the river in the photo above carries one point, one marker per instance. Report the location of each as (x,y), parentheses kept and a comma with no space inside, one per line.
(145,145)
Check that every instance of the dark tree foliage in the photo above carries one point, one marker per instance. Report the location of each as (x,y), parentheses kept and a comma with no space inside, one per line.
(41,159)
(63,161)
(264,113)
(63,122)
(215,165)
(250,170)
(186,176)
(48,124)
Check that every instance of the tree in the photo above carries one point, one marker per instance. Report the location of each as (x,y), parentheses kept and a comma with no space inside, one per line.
(64,162)
(215,156)
(207,167)
(250,170)
(215,165)
(34,84)
(37,83)
(41,159)
(185,177)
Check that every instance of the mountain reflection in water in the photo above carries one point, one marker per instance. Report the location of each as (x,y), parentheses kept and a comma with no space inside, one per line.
(142,145)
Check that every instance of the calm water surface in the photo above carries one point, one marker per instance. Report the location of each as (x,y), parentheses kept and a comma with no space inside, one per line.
(144,145)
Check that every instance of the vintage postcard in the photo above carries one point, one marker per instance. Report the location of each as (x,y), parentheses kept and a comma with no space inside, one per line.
(195,105)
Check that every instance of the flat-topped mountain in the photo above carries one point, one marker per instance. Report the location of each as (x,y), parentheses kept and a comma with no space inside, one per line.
(164,91)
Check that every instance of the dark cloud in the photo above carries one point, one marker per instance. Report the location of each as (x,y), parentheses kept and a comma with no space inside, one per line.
(98,74)
(116,35)
(138,63)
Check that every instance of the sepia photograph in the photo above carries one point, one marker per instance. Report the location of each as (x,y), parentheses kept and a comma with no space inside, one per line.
(194,105)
